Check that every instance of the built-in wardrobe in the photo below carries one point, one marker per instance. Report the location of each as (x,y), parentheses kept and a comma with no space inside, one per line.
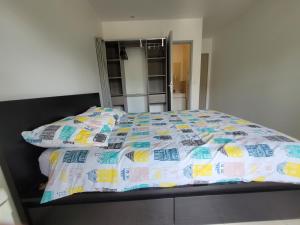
(138,74)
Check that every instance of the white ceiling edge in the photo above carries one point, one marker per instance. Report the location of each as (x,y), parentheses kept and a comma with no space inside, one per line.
(215,13)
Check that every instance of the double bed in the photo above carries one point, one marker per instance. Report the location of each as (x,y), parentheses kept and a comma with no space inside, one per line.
(173,168)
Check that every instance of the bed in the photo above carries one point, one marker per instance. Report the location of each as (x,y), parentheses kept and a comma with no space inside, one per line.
(187,204)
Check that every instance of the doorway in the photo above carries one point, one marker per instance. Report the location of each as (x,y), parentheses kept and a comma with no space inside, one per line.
(181,66)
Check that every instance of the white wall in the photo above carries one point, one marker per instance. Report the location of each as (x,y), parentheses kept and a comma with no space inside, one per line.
(183,29)
(47,48)
(207,45)
(256,66)
(135,70)
(13,217)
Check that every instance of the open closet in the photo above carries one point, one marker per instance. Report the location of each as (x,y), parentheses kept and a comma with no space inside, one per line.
(139,74)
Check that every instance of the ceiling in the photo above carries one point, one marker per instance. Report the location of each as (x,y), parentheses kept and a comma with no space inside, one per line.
(216,13)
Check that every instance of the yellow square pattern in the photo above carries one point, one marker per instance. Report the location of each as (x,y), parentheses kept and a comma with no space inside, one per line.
(141,156)
(82,137)
(202,170)
(107,176)
(182,126)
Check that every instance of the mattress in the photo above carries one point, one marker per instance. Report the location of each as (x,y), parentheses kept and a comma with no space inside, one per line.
(170,149)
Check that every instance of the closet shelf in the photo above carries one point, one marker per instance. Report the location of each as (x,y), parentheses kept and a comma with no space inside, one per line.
(117,77)
(114,75)
(113,60)
(156,58)
(119,95)
(156,75)
(136,95)
(157,93)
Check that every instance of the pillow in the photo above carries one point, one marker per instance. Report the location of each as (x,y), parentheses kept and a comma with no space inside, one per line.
(117,113)
(84,130)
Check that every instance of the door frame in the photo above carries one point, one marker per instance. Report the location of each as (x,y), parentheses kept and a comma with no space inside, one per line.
(191,43)
(208,78)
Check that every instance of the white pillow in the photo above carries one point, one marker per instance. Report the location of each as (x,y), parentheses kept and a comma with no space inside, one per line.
(84,130)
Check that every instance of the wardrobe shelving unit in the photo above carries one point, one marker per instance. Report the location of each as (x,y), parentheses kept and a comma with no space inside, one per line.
(115,71)
(156,57)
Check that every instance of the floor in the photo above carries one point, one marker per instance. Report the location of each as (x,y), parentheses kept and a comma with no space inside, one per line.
(274,222)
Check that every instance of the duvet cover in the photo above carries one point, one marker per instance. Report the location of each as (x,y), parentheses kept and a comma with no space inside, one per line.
(175,148)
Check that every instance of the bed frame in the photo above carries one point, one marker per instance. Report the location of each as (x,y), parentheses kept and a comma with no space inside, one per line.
(188,205)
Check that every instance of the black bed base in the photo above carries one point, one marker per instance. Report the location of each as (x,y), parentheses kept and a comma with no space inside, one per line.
(193,210)
(186,205)
(189,205)
(158,193)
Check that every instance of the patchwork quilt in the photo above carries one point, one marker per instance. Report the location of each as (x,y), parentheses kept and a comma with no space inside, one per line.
(175,148)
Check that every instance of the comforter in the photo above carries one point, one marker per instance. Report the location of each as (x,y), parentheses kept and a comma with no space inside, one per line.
(172,149)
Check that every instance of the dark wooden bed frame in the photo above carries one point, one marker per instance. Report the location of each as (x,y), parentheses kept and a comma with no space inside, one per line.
(188,205)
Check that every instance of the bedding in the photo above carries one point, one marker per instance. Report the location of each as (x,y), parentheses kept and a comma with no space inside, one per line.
(116,113)
(91,128)
(172,149)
